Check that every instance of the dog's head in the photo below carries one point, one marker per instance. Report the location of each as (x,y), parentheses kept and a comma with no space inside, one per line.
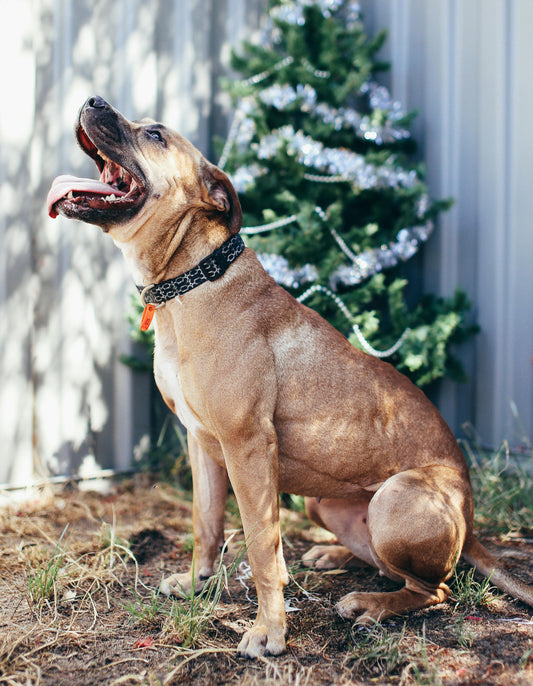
(148,173)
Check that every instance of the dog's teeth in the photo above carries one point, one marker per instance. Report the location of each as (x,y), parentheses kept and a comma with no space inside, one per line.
(111,197)
(70,195)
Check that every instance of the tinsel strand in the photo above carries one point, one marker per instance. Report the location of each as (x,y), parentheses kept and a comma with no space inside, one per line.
(364,265)
(340,242)
(355,327)
(317,178)
(238,118)
(257,78)
(336,162)
(250,230)
(280,96)
(352,167)
(293,12)
(342,245)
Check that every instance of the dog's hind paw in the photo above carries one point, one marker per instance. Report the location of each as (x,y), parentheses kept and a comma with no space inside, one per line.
(258,641)
(375,607)
(328,557)
(361,605)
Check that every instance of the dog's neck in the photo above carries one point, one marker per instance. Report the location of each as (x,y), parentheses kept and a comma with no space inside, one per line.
(179,249)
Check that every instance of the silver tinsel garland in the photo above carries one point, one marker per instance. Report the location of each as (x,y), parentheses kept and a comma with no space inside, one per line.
(292,11)
(340,163)
(355,327)
(334,164)
(373,261)
(282,96)
(361,266)
(278,268)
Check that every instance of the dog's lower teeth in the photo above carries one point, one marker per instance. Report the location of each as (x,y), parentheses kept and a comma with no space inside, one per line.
(104,157)
(111,197)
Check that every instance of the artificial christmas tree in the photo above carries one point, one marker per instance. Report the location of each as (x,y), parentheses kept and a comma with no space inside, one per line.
(318,152)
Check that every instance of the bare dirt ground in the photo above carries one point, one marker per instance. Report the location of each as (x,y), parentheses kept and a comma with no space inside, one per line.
(78,587)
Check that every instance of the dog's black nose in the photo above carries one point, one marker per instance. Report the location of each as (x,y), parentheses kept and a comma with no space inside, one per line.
(96,102)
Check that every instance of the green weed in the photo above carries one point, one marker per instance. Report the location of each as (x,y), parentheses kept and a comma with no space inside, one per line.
(380,652)
(233,516)
(148,611)
(187,543)
(114,550)
(502,485)
(186,619)
(463,632)
(377,651)
(42,580)
(109,537)
(468,592)
(421,666)
(191,618)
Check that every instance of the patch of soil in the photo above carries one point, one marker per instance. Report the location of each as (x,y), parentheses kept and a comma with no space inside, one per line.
(79,574)
(148,544)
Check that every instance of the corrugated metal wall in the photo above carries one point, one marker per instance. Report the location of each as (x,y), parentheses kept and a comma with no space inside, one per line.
(464,64)
(64,289)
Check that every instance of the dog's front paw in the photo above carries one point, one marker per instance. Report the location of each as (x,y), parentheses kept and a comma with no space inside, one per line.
(181,585)
(259,641)
(327,557)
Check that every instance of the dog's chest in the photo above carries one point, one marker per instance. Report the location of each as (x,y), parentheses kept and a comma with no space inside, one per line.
(167,376)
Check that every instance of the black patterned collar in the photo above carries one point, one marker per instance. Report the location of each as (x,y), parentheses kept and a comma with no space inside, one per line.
(210,268)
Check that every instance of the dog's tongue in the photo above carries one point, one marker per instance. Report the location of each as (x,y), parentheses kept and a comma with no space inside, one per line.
(66,183)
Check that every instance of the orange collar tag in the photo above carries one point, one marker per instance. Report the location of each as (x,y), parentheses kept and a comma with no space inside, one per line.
(148,315)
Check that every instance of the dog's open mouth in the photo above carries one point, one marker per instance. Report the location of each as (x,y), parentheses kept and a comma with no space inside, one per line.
(118,192)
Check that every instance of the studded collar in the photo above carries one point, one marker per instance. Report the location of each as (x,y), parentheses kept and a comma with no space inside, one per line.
(210,268)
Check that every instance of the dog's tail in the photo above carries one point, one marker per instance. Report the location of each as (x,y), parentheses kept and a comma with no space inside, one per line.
(491,568)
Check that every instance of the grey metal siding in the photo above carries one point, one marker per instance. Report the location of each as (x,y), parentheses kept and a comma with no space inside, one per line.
(465,65)
(64,290)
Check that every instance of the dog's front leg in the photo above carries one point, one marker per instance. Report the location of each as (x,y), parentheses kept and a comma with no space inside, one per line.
(253,471)
(210,490)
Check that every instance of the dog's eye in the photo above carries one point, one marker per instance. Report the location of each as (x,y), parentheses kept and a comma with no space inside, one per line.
(155,134)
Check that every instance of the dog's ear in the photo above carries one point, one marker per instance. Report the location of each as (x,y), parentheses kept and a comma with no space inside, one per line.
(221,194)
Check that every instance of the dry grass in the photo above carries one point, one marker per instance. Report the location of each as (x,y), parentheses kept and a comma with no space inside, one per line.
(79,575)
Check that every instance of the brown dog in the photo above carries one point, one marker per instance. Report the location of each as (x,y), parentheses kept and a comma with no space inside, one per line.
(273,398)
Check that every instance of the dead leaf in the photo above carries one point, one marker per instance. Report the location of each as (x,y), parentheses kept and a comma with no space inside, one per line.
(146,642)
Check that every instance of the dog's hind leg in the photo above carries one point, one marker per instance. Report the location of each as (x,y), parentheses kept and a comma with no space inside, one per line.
(347,519)
(210,490)
(417,522)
